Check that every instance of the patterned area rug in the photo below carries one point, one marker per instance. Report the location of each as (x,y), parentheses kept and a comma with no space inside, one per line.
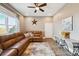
(39,49)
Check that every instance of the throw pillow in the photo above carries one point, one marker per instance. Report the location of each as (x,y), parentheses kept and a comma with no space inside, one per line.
(31,34)
(26,35)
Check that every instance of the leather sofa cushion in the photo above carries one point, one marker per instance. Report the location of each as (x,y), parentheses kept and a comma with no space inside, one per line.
(8,43)
(10,52)
(37,35)
(18,34)
(0,46)
(11,42)
(19,38)
(19,46)
(8,37)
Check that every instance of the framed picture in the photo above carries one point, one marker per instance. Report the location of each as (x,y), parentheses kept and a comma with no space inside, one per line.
(67,24)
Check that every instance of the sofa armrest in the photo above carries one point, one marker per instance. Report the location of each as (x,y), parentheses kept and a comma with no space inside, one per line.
(9,52)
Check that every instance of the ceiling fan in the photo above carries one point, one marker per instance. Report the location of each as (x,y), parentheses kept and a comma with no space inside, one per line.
(38,7)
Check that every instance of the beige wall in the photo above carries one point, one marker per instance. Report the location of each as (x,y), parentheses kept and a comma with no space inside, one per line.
(40,23)
(22,23)
(68,10)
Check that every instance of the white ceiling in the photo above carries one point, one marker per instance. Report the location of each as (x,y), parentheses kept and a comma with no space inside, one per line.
(50,9)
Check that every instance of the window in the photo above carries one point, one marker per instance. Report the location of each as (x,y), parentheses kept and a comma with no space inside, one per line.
(12,24)
(3,29)
(8,24)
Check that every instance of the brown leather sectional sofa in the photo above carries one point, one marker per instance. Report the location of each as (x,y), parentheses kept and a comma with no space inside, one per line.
(13,44)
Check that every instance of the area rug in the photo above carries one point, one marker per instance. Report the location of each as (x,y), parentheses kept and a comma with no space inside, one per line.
(39,49)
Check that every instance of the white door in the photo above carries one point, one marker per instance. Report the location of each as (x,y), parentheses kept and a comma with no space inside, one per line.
(48,30)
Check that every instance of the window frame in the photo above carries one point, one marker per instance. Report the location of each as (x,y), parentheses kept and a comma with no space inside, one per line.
(6,22)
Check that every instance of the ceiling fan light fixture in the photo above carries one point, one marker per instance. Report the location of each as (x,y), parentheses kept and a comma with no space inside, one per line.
(37,8)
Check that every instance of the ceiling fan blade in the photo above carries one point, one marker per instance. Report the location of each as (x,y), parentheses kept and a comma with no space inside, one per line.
(35,11)
(41,10)
(42,5)
(36,4)
(30,7)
